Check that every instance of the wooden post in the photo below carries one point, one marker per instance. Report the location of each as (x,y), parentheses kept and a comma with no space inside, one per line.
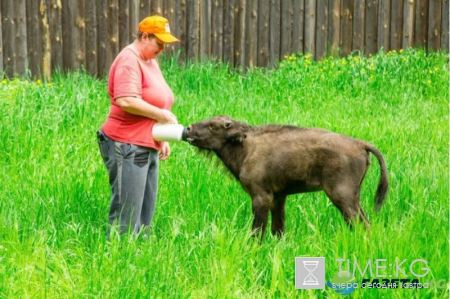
(310,27)
(251,39)
(334,26)
(445,26)
(408,24)
(228,32)
(383,25)
(434,26)
(372,24)
(1,45)
(56,34)
(20,37)
(274,33)
(103,58)
(286,28)
(263,33)
(193,34)
(205,32)
(359,26)
(113,29)
(322,29)
(239,34)
(44,10)
(396,25)
(91,38)
(9,56)
(124,24)
(346,27)
(217,29)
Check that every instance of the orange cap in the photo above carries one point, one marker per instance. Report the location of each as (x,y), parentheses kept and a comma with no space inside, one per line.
(158,26)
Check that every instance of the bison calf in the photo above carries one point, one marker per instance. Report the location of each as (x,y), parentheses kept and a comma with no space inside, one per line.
(273,161)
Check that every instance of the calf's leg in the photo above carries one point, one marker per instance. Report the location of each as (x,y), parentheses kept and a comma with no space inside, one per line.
(278,214)
(260,208)
(346,199)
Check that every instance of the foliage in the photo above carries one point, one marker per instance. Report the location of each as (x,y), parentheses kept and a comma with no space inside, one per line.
(55,195)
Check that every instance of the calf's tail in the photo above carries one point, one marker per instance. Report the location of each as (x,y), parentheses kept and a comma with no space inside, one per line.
(383,184)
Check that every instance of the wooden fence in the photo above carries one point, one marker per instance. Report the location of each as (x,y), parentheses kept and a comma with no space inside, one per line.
(37,36)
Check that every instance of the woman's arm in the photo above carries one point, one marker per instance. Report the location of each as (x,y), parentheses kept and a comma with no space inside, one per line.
(140,107)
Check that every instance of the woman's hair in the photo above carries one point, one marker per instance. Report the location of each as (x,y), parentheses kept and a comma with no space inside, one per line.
(139,35)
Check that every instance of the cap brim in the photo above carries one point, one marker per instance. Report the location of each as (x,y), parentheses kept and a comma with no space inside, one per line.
(166,37)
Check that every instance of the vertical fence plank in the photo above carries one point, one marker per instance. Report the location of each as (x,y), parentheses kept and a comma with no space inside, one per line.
(20,37)
(205,30)
(263,33)
(113,29)
(103,59)
(239,34)
(67,24)
(298,16)
(56,34)
(274,33)
(445,26)
(322,29)
(396,25)
(371,27)
(408,24)
(180,17)
(91,37)
(169,13)
(124,23)
(44,10)
(384,24)
(346,27)
(33,40)
(251,40)
(134,19)
(434,27)
(228,32)
(79,39)
(9,58)
(1,45)
(310,27)
(157,7)
(286,28)
(193,29)
(334,26)
(217,29)
(144,9)
(359,26)
(421,24)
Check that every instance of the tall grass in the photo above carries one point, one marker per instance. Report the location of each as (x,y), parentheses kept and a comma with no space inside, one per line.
(55,195)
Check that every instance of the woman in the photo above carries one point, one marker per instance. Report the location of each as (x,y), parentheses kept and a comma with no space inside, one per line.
(139,97)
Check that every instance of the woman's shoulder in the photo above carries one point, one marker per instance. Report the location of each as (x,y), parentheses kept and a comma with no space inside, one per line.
(126,57)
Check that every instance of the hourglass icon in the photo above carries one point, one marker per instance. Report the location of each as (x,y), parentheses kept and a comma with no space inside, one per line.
(310,279)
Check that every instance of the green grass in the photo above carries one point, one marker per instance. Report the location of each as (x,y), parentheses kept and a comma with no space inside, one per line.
(55,195)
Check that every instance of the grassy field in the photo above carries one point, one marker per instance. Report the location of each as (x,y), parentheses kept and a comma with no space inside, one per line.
(55,196)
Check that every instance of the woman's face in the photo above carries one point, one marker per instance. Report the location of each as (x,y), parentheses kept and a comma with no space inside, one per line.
(152,46)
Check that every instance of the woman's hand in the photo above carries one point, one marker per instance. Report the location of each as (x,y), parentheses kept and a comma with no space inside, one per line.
(164,153)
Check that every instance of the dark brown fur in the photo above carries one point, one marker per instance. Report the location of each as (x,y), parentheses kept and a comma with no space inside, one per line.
(274,161)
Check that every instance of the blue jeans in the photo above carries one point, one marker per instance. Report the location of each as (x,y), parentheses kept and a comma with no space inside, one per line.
(133,177)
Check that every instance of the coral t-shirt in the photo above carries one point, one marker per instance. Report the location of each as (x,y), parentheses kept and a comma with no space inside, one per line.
(130,76)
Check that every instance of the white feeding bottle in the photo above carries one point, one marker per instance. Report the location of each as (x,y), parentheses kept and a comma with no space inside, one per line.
(169,132)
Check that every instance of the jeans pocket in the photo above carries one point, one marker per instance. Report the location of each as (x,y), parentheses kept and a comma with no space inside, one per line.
(141,158)
(102,144)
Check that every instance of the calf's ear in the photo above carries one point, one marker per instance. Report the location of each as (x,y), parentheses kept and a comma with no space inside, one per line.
(236,137)
(227,124)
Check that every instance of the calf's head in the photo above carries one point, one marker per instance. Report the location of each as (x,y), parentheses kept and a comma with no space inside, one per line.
(215,133)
